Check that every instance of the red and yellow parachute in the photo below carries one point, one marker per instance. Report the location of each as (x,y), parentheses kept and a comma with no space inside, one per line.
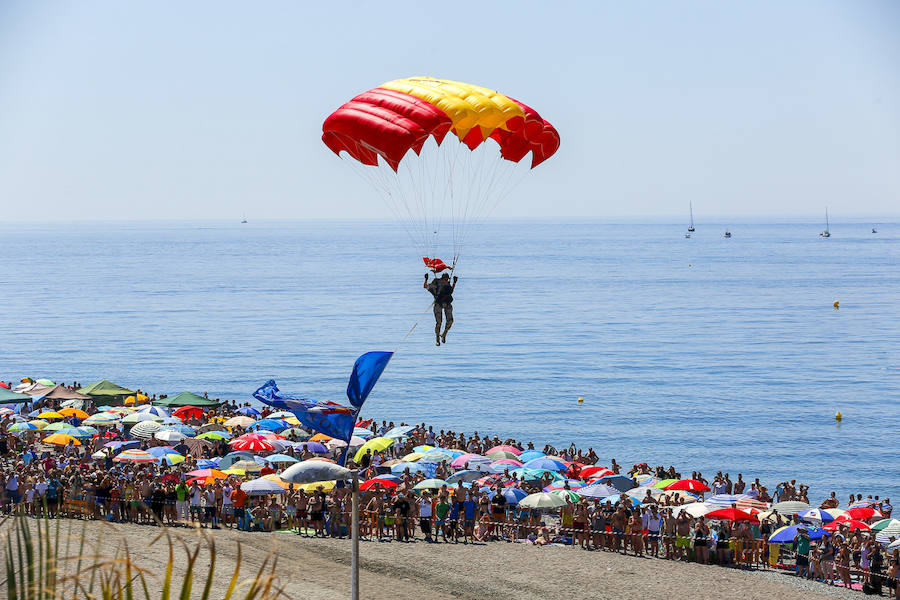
(438,188)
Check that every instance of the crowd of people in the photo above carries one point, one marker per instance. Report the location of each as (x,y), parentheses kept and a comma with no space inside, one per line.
(405,497)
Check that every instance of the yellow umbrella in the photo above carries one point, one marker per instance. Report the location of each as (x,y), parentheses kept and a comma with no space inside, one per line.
(219,419)
(233,471)
(413,456)
(60,439)
(376,444)
(38,423)
(320,437)
(120,410)
(137,399)
(74,412)
(309,488)
(247,465)
(292,420)
(49,414)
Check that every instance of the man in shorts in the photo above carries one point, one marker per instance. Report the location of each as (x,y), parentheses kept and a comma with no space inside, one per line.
(442,290)
(683,535)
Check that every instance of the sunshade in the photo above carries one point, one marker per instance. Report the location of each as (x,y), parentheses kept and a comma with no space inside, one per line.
(169,435)
(863,512)
(281,458)
(815,516)
(314,486)
(675,495)
(261,487)
(61,392)
(214,473)
(50,414)
(572,495)
(790,507)
(269,424)
(355,442)
(42,425)
(401,467)
(375,482)
(695,509)
(136,456)
(544,463)
(597,490)
(103,418)
(786,535)
(154,410)
(78,432)
(251,445)
(214,435)
(504,448)
(399,432)
(145,429)
(60,439)
(542,500)
(886,525)
(725,500)
(465,476)
(437,456)
(277,479)
(105,388)
(188,412)
(688,485)
(729,514)
(315,470)
(620,482)
(375,445)
(852,524)
(664,483)
(430,484)
(185,399)
(22,426)
(247,465)
(74,412)
(240,421)
(512,495)
(10,397)
(140,417)
(530,454)
(248,411)
(45,382)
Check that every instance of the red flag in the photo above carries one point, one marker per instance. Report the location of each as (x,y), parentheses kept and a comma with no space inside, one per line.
(436,265)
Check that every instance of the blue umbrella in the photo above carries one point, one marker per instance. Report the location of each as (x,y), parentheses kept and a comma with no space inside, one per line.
(393,478)
(512,495)
(77,432)
(184,429)
(399,432)
(261,487)
(786,535)
(530,455)
(314,447)
(248,411)
(616,498)
(281,458)
(544,463)
(620,482)
(204,463)
(399,468)
(160,451)
(815,514)
(465,476)
(122,445)
(725,500)
(270,424)
(232,457)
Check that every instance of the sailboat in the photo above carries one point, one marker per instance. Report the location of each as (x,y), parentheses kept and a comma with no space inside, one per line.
(826,233)
(874,230)
(691,226)
(727,234)
(243,218)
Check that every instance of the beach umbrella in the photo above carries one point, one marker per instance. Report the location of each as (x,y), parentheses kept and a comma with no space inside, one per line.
(620,482)
(413,456)
(786,535)
(424,448)
(309,471)
(544,463)
(314,447)
(355,442)
(503,455)
(261,487)
(248,411)
(645,479)
(815,516)
(60,439)
(188,412)
(233,457)
(269,425)
(858,503)
(78,432)
(499,466)
(281,458)
(852,524)
(748,504)
(378,483)
(894,545)
(512,495)
(429,484)
(50,414)
(101,419)
(247,465)
(136,456)
(465,476)
(695,509)
(321,438)
(363,433)
(790,507)
(437,456)
(664,483)
(251,445)
(688,485)
(863,513)
(597,490)
(402,467)
(22,426)
(281,414)
(43,425)
(154,410)
(277,479)
(240,421)
(207,463)
(140,417)
(72,403)
(542,500)
(169,435)
(214,435)
(642,493)
(730,514)
(314,486)
(214,473)
(529,455)
(187,430)
(145,429)
(573,484)
(887,525)
(45,382)
(172,459)
(616,498)
(297,432)
(461,461)
(675,495)
(573,496)
(375,444)
(74,412)
(504,448)
(399,432)
(160,451)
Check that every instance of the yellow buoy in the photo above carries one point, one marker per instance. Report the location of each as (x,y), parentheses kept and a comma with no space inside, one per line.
(837,304)
(580,400)
(838,416)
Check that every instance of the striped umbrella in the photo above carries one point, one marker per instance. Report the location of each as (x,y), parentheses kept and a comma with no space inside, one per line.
(169,435)
(790,507)
(145,429)
(252,445)
(154,410)
(101,419)
(725,500)
(815,516)
(140,417)
(136,456)
(22,426)
(750,503)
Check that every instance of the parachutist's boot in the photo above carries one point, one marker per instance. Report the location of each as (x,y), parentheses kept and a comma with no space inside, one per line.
(437,340)
(444,336)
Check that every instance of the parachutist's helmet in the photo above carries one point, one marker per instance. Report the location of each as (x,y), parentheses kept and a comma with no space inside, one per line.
(445,276)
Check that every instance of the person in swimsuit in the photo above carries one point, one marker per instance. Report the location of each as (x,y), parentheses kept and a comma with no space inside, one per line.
(442,290)
(701,539)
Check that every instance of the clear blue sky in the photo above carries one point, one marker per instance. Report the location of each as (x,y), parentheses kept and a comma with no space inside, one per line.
(128,110)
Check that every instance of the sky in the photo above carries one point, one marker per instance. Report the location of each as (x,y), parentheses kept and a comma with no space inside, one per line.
(212,109)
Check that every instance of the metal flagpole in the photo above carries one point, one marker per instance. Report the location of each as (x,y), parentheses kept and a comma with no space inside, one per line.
(354,528)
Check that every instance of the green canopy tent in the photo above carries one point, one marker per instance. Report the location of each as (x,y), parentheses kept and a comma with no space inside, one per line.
(10,397)
(107,391)
(185,399)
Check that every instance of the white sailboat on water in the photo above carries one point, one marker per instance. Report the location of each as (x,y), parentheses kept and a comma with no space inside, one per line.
(691,226)
(826,233)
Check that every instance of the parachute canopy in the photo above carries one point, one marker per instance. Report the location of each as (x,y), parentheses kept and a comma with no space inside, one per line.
(401,115)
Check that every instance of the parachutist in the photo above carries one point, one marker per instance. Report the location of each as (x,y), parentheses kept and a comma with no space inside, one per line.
(442,290)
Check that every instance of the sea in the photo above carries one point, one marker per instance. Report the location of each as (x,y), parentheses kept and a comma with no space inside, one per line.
(705,353)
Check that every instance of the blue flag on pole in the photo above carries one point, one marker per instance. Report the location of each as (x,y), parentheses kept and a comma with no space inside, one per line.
(331,419)
(366,371)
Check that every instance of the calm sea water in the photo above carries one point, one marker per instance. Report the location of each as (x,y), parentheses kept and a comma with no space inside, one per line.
(704,353)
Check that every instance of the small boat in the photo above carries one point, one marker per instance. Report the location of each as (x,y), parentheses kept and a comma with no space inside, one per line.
(874,230)
(727,234)
(243,218)
(691,226)
(687,235)
(826,233)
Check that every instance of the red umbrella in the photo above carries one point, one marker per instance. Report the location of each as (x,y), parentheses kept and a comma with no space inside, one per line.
(215,473)
(249,436)
(251,445)
(688,485)
(730,514)
(505,448)
(861,512)
(851,523)
(595,472)
(375,482)
(187,412)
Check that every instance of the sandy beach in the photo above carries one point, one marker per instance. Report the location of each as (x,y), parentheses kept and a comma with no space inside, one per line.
(319,569)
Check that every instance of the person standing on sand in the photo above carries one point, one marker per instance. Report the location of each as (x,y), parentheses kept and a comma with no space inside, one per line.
(442,290)
(683,535)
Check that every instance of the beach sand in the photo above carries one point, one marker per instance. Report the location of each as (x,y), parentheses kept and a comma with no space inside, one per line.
(319,568)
